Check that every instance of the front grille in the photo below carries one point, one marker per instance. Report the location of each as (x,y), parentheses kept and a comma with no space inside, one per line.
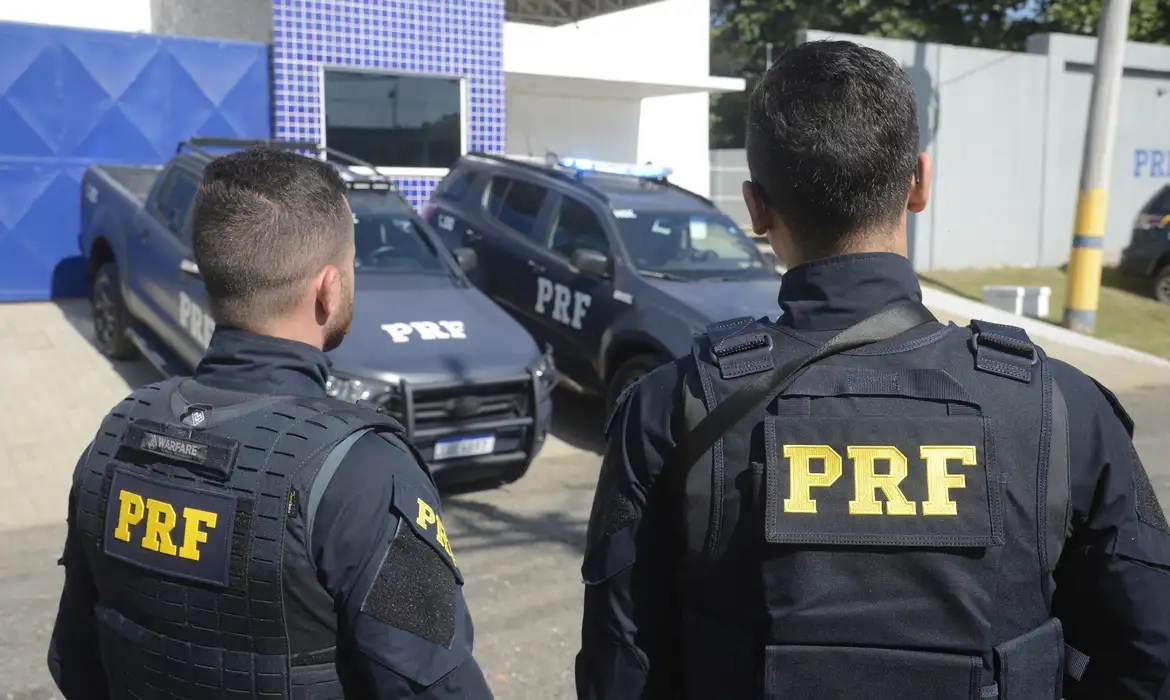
(463,405)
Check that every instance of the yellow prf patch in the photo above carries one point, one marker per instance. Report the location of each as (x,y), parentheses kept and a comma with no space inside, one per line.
(426,518)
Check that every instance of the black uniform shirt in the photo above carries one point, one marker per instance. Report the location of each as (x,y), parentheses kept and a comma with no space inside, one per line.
(350,539)
(1113,578)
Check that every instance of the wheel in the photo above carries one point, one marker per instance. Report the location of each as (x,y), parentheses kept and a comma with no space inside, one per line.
(629,372)
(110,318)
(1162,285)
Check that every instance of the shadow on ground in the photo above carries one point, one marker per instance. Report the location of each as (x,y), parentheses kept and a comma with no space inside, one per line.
(135,373)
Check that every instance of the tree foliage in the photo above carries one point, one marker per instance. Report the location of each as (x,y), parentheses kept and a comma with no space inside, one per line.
(741,29)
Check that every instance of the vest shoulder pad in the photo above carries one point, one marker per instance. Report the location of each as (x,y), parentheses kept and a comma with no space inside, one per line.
(366,412)
(738,347)
(1003,350)
(1118,409)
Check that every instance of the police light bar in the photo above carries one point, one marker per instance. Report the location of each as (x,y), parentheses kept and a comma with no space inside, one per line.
(375,180)
(597,166)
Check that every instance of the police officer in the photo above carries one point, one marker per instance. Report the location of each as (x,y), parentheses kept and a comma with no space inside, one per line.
(856,501)
(239,533)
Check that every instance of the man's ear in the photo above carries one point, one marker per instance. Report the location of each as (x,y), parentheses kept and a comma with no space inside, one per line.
(329,292)
(759,212)
(920,187)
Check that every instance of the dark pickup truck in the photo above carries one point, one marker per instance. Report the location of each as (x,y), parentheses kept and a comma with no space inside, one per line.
(467,381)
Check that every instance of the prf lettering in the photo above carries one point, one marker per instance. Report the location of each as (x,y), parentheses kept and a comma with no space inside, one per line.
(161,520)
(867,482)
(426,518)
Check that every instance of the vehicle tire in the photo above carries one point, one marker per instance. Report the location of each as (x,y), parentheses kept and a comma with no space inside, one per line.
(1162,285)
(629,372)
(110,318)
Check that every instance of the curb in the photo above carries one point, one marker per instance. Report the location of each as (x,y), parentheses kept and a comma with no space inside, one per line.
(1037,329)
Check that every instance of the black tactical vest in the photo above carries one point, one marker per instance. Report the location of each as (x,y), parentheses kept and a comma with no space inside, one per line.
(887,529)
(194,518)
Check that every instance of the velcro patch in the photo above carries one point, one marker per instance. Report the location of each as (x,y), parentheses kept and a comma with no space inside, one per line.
(170,529)
(415,590)
(183,444)
(424,519)
(926,482)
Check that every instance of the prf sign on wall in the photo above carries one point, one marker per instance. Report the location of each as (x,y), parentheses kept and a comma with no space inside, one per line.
(1151,162)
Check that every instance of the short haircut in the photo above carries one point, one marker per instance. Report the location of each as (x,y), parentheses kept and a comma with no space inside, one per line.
(832,142)
(265,222)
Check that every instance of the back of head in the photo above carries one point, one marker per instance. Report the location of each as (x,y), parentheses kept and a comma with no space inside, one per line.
(832,144)
(266,223)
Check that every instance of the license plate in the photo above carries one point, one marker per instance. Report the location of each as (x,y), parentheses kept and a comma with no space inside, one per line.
(465,447)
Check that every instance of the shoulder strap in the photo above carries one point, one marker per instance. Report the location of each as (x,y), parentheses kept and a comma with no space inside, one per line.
(762,388)
(325,475)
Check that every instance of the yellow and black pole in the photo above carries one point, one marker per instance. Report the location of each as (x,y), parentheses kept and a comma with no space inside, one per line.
(1084,265)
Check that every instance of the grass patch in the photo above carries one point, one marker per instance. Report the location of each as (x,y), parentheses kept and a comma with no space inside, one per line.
(1127,315)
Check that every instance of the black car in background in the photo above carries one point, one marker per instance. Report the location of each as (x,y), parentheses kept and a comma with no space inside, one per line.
(613,266)
(1148,252)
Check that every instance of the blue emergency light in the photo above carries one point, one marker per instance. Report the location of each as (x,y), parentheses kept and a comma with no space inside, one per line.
(587,165)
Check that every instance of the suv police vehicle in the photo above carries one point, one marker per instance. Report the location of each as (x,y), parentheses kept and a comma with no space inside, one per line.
(612,266)
(469,384)
(1148,252)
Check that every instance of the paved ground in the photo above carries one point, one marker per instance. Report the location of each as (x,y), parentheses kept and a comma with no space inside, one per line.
(519,545)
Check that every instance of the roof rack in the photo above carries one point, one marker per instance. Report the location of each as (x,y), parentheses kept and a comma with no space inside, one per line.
(198,144)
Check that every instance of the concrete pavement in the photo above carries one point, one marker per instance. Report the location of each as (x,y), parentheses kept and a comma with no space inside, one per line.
(520,546)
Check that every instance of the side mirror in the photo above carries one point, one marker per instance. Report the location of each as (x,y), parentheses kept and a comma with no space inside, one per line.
(591,262)
(467,258)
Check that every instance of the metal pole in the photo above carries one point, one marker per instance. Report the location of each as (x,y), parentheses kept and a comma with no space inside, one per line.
(1084,267)
(767,55)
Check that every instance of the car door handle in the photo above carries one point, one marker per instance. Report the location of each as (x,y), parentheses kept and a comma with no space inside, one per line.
(188,267)
(472,235)
(536,267)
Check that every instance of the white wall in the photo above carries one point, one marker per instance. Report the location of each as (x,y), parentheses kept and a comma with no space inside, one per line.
(654,42)
(664,43)
(674,131)
(583,128)
(1143,121)
(116,15)
(1006,131)
(669,131)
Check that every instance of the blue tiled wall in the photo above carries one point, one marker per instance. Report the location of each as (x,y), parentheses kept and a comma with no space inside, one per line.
(71,98)
(461,38)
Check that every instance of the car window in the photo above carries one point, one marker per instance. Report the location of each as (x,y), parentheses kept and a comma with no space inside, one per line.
(690,244)
(576,227)
(515,203)
(176,202)
(456,185)
(392,242)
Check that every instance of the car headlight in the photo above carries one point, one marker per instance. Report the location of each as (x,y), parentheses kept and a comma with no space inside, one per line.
(353,389)
(546,371)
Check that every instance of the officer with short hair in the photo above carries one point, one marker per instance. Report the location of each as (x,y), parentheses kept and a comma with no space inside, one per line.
(239,533)
(855,500)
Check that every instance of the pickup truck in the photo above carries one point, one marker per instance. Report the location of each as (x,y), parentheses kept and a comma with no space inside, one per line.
(467,381)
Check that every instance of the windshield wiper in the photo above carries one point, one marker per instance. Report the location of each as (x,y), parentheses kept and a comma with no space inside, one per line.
(664,276)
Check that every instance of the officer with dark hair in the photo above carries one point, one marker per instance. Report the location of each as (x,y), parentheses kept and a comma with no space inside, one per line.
(857,501)
(239,533)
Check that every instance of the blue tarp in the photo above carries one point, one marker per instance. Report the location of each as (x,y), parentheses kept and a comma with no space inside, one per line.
(70,98)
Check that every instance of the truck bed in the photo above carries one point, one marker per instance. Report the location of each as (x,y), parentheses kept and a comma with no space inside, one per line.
(137,179)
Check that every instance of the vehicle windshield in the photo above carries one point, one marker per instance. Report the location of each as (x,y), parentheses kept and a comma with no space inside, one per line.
(690,245)
(386,242)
